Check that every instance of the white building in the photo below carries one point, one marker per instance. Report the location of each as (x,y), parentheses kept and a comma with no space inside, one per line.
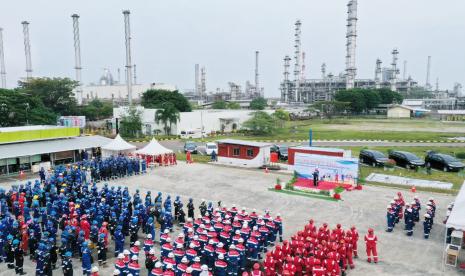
(210,120)
(120,91)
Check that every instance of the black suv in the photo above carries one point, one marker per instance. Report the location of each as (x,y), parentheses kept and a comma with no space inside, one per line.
(443,162)
(406,159)
(372,157)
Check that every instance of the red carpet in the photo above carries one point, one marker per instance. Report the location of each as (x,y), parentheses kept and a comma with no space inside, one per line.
(303,183)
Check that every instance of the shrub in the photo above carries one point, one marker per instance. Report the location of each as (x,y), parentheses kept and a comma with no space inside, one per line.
(338,190)
(322,192)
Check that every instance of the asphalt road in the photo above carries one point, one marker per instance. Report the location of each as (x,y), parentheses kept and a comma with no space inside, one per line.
(178,145)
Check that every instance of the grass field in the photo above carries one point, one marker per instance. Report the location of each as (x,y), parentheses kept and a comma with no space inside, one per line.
(365,129)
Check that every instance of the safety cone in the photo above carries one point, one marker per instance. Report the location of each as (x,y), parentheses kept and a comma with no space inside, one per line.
(413,189)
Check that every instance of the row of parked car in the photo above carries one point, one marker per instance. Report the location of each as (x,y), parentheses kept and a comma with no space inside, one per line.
(409,160)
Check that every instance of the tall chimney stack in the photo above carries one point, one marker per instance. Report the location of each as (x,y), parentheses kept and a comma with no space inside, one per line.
(127,37)
(27,49)
(77,56)
(351,70)
(2,61)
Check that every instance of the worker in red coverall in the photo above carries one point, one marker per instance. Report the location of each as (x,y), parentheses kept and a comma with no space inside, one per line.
(354,234)
(342,250)
(289,266)
(256,270)
(338,232)
(298,263)
(310,263)
(269,265)
(24,238)
(331,266)
(318,269)
(85,226)
(370,241)
(349,249)
(323,232)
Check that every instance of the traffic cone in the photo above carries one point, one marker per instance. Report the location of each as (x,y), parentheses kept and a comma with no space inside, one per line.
(413,189)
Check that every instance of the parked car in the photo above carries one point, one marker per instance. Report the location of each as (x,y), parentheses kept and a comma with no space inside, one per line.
(406,159)
(191,147)
(372,157)
(282,151)
(210,147)
(443,162)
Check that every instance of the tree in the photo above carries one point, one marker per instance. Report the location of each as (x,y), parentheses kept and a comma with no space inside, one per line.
(356,100)
(131,123)
(18,108)
(220,104)
(258,104)
(234,105)
(389,97)
(168,115)
(372,98)
(55,93)
(97,110)
(281,117)
(260,123)
(155,98)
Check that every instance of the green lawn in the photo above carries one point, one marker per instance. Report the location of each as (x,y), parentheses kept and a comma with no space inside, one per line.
(198,158)
(364,129)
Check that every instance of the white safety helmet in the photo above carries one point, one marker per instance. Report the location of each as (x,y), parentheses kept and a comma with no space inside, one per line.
(149,236)
(137,243)
(116,272)
(94,269)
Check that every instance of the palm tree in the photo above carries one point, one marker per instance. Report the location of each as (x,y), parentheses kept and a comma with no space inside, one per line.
(168,115)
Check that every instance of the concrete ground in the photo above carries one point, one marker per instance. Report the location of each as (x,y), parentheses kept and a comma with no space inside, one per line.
(399,254)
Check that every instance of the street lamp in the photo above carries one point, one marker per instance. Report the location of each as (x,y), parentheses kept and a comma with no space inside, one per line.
(27,109)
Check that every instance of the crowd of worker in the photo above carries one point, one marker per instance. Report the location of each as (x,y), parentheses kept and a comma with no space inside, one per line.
(398,209)
(98,169)
(318,251)
(65,216)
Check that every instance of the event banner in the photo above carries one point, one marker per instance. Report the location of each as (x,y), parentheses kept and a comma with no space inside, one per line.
(331,169)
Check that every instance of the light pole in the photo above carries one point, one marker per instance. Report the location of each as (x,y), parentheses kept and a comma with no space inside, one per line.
(27,109)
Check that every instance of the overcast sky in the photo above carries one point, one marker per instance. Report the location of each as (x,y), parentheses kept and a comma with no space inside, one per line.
(169,37)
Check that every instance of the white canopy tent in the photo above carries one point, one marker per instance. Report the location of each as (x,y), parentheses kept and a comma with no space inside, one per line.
(117,146)
(456,219)
(153,148)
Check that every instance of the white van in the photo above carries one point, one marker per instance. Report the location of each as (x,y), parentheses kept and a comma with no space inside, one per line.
(210,147)
(191,134)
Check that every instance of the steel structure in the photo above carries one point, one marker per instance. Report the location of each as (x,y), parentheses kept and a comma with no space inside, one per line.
(127,37)
(297,56)
(77,56)
(203,82)
(404,71)
(285,84)
(378,73)
(323,71)
(2,61)
(394,70)
(135,75)
(302,73)
(197,79)
(351,70)
(27,49)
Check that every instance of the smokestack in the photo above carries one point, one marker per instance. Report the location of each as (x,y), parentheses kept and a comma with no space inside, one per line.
(197,79)
(378,74)
(257,83)
(394,70)
(27,49)
(285,93)
(428,71)
(2,61)
(351,70)
(297,56)
(127,37)
(323,71)
(77,56)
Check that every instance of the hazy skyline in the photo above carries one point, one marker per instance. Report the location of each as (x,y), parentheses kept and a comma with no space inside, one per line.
(169,37)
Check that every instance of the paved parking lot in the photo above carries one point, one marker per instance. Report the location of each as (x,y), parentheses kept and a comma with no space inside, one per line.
(399,254)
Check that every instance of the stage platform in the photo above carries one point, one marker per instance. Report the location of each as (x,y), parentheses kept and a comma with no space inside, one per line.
(307,184)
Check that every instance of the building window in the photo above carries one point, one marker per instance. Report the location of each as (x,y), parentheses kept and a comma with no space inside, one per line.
(249,152)
(236,151)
